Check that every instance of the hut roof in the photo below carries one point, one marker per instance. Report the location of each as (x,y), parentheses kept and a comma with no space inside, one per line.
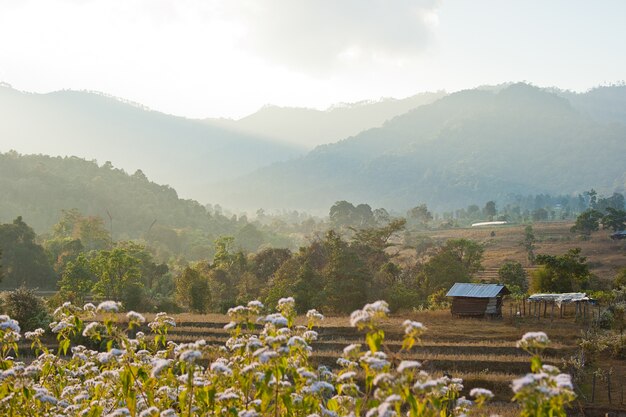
(477,290)
(568,297)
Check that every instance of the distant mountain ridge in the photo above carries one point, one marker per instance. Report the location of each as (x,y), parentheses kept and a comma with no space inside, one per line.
(182,152)
(310,127)
(467,147)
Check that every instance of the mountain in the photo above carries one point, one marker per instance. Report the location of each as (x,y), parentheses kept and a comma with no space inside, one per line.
(39,187)
(309,127)
(184,153)
(467,147)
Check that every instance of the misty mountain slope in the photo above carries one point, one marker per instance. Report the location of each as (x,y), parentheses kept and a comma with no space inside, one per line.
(309,127)
(38,187)
(604,104)
(468,147)
(172,150)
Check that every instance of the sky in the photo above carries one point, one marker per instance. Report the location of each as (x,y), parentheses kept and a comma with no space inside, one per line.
(227,58)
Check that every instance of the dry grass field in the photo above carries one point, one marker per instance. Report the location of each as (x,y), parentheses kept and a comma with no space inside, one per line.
(605,256)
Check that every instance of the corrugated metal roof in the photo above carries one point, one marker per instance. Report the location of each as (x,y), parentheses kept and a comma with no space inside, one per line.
(476,290)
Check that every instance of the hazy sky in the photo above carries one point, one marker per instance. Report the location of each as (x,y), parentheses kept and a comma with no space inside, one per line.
(202,58)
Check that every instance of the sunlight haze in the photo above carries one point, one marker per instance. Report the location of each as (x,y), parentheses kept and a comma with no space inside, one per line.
(228,58)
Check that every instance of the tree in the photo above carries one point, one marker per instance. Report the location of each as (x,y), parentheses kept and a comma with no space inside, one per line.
(249,238)
(614,219)
(77,280)
(378,237)
(620,279)
(346,277)
(192,290)
(381,216)
(224,255)
(529,243)
(457,261)
(490,209)
(420,214)
(540,214)
(341,214)
(588,221)
(24,262)
(616,201)
(266,262)
(89,229)
(512,274)
(562,273)
(25,307)
(118,276)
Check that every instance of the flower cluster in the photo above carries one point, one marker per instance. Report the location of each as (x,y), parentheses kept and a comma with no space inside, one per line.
(257,372)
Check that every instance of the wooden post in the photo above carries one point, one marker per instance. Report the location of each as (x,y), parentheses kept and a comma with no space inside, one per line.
(545,309)
(552,312)
(593,387)
(608,385)
(561,310)
(523,306)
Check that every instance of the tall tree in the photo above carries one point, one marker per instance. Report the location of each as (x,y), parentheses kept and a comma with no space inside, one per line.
(529,243)
(24,261)
(490,209)
(562,273)
(588,221)
(512,274)
(614,219)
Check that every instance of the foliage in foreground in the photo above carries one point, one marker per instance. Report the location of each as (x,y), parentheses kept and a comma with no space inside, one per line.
(256,373)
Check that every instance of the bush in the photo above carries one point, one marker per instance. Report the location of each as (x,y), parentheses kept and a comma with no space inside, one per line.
(27,308)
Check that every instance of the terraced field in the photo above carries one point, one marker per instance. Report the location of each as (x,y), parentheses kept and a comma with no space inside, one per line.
(482,352)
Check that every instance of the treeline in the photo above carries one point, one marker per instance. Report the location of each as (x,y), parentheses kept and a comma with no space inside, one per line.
(39,188)
(335,272)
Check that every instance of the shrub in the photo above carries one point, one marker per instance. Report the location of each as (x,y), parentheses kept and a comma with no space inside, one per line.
(27,308)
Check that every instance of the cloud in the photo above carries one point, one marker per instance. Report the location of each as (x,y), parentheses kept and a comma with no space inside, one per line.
(321,35)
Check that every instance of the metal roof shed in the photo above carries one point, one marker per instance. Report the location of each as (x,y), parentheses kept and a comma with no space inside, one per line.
(477,300)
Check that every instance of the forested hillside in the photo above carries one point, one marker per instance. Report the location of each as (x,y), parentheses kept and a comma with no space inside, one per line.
(39,187)
(468,147)
(184,153)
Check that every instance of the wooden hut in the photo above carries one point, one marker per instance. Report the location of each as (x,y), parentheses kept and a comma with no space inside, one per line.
(477,300)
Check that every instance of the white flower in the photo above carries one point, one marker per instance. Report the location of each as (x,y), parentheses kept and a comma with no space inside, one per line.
(481,393)
(91,329)
(314,314)
(133,316)
(310,335)
(533,340)
(320,386)
(413,327)
(287,301)
(60,326)
(108,307)
(255,306)
(346,376)
(221,368)
(149,412)
(7,322)
(406,365)
(190,355)
(370,312)
(89,307)
(35,334)
(168,413)
(276,319)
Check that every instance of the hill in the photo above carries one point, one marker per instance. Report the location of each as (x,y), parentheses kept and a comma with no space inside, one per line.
(468,147)
(310,127)
(184,153)
(38,187)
